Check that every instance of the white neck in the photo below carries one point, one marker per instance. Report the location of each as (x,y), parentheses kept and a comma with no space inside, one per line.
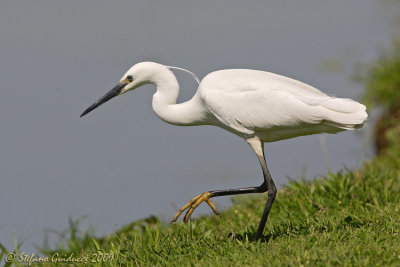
(164,101)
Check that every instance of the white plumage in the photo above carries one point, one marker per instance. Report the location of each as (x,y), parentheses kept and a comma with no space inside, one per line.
(274,107)
(255,105)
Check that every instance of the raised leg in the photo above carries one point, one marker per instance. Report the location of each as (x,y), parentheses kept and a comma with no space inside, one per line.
(267,185)
(196,201)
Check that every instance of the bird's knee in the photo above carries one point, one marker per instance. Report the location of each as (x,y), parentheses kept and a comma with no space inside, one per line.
(263,188)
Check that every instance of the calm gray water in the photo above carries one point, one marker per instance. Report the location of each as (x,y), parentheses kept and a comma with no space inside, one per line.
(121,162)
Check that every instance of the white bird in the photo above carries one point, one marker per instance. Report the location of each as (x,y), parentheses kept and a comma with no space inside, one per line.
(256,105)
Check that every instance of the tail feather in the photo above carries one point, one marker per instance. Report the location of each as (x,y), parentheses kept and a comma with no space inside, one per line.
(344,113)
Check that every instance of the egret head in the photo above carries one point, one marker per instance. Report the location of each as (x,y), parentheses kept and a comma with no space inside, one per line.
(138,75)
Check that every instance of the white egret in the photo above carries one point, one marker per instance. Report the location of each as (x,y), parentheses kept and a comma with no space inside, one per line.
(255,105)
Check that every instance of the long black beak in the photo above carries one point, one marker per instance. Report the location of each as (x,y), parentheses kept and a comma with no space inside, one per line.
(112,93)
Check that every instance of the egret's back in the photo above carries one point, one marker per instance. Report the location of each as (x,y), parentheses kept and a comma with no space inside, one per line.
(275,107)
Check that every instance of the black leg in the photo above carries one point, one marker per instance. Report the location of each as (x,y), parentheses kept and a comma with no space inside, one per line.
(246,190)
(271,196)
(267,185)
(192,204)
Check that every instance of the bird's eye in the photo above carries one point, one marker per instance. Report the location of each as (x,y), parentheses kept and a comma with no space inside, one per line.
(129,78)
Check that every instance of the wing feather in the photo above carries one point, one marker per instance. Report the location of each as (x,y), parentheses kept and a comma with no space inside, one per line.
(247,101)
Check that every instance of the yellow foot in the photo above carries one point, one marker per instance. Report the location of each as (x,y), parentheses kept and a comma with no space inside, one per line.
(192,204)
